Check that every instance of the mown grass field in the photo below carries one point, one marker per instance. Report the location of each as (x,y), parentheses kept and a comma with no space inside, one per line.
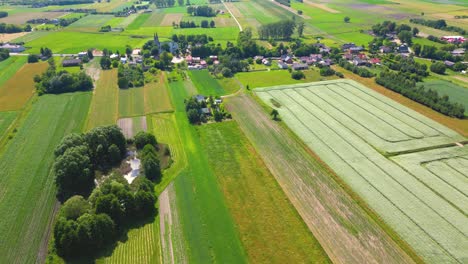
(454,92)
(91,21)
(270,228)
(105,104)
(157,96)
(27,187)
(205,83)
(6,119)
(345,125)
(15,92)
(277,77)
(9,67)
(131,102)
(339,219)
(207,223)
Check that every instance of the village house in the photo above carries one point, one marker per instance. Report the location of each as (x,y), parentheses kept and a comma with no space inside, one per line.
(82,54)
(326,62)
(347,46)
(375,61)
(355,50)
(71,62)
(458,52)
(403,48)
(266,62)
(13,48)
(287,59)
(200,98)
(449,63)
(385,49)
(282,65)
(171,45)
(299,66)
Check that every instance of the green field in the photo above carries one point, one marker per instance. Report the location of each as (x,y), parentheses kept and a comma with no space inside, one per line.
(207,224)
(139,21)
(346,125)
(131,102)
(6,119)
(27,186)
(277,77)
(454,92)
(269,226)
(205,83)
(157,96)
(91,21)
(9,67)
(105,104)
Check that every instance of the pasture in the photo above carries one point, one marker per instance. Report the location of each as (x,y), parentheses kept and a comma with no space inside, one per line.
(27,185)
(277,77)
(157,96)
(93,22)
(15,92)
(6,120)
(131,102)
(352,142)
(270,228)
(205,83)
(9,67)
(105,104)
(454,92)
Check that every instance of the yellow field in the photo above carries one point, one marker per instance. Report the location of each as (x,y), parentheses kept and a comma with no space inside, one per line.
(104,106)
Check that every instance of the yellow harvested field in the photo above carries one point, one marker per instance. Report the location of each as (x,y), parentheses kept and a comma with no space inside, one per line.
(11,36)
(169,18)
(322,6)
(21,18)
(19,88)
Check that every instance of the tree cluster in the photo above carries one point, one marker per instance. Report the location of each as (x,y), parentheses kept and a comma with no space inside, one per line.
(164,3)
(407,67)
(150,162)
(63,22)
(432,52)
(297,75)
(438,67)
(277,30)
(326,71)
(129,76)
(4,54)
(92,225)
(284,2)
(11,28)
(361,71)
(56,82)
(420,94)
(79,155)
(438,24)
(436,39)
(3,14)
(205,11)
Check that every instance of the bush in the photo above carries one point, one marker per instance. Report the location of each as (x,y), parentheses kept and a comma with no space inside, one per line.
(33,58)
(327,71)
(339,74)
(143,138)
(226,72)
(297,75)
(438,67)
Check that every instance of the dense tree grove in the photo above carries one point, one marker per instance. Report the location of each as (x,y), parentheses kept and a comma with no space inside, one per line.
(277,30)
(92,225)
(164,3)
(11,28)
(129,76)
(56,82)
(143,138)
(150,163)
(420,94)
(438,67)
(361,71)
(3,14)
(79,155)
(407,67)
(438,24)
(205,11)
(4,54)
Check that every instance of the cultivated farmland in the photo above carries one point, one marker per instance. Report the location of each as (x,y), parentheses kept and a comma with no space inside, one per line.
(132,125)
(6,119)
(104,107)
(205,83)
(20,87)
(351,128)
(27,187)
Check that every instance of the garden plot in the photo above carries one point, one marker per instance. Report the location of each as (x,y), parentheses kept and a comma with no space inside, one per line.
(350,127)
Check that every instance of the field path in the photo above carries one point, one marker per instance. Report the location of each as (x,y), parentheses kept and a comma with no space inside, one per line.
(233,16)
(343,228)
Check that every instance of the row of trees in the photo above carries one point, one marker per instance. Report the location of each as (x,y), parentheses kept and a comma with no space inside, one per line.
(407,67)
(10,28)
(438,24)
(363,72)
(428,97)
(192,24)
(56,82)
(4,54)
(277,30)
(205,11)
(432,52)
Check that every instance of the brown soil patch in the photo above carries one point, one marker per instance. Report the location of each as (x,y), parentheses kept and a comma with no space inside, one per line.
(169,18)
(19,88)
(459,125)
(21,18)
(12,36)
(322,6)
(126,124)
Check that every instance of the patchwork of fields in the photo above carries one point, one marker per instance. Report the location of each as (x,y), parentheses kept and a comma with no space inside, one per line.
(27,190)
(351,128)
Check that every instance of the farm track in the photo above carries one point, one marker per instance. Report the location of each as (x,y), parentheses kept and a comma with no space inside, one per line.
(418,207)
(334,218)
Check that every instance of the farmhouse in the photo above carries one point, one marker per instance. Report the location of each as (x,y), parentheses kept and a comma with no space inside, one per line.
(12,48)
(449,63)
(453,39)
(347,46)
(82,54)
(403,49)
(200,98)
(300,66)
(385,49)
(282,65)
(355,50)
(71,62)
(458,52)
